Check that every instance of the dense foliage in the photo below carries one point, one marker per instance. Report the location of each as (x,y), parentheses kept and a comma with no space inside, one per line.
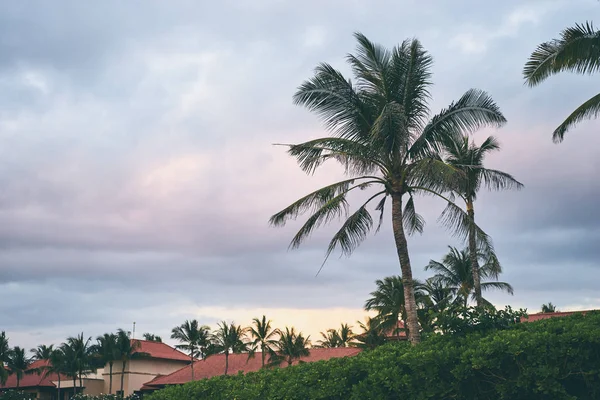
(557,358)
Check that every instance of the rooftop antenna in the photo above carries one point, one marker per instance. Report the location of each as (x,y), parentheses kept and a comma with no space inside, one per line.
(133,335)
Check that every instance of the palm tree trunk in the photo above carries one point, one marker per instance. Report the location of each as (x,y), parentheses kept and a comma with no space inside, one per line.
(75,383)
(58,388)
(262,354)
(192,363)
(410,304)
(226,362)
(110,374)
(123,378)
(18,381)
(473,254)
(80,382)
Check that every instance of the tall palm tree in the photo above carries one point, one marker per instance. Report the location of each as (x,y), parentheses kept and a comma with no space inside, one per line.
(548,308)
(381,135)
(290,346)
(577,50)
(42,352)
(81,355)
(468,158)
(18,363)
(71,362)
(229,339)
(455,273)
(388,301)
(4,357)
(127,349)
(152,337)
(193,338)
(56,365)
(372,335)
(264,336)
(108,352)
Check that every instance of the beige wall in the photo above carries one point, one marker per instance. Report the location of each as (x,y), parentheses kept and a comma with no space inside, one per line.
(138,372)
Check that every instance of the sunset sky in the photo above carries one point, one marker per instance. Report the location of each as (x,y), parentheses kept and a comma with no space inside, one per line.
(137,172)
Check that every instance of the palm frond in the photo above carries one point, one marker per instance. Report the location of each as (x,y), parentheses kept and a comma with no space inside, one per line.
(498,180)
(458,221)
(577,50)
(412,221)
(370,65)
(506,287)
(589,109)
(474,110)
(389,131)
(381,208)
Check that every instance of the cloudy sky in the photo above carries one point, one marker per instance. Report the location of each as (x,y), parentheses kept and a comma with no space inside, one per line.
(137,173)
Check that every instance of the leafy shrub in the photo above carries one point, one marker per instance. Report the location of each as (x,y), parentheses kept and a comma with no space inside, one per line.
(16,395)
(556,359)
(80,396)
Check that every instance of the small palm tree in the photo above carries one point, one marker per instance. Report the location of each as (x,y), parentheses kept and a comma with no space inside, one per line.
(229,339)
(548,308)
(577,50)
(42,352)
(290,346)
(18,363)
(455,273)
(383,138)
(108,352)
(388,301)
(127,349)
(330,339)
(4,357)
(71,362)
(264,336)
(468,158)
(372,335)
(194,339)
(82,354)
(152,337)
(57,366)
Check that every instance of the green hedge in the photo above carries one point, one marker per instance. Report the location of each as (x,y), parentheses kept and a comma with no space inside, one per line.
(554,359)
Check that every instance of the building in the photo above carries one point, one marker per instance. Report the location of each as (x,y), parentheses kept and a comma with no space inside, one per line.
(155,359)
(215,366)
(539,316)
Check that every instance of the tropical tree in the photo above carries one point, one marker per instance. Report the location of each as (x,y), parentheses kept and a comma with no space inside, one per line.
(229,339)
(548,308)
(127,349)
(71,362)
(80,357)
(388,301)
(290,346)
(381,136)
(152,337)
(107,349)
(455,273)
(341,337)
(194,339)
(468,158)
(42,352)
(4,357)
(577,50)
(264,336)
(371,336)
(18,363)
(57,366)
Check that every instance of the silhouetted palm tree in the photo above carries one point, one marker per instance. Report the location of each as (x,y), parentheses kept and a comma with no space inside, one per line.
(577,50)
(455,273)
(127,349)
(18,363)
(42,352)
(468,158)
(382,137)
(264,336)
(152,337)
(229,339)
(56,365)
(388,301)
(290,346)
(79,353)
(4,357)
(194,339)
(372,335)
(108,351)
(548,308)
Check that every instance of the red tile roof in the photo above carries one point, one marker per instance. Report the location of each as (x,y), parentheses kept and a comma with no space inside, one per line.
(215,366)
(34,379)
(538,316)
(160,350)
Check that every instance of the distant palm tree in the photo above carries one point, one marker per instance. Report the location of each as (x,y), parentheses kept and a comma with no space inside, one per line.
(341,337)
(264,336)
(193,338)
(455,273)
(152,337)
(56,365)
(42,352)
(372,335)
(436,295)
(577,50)
(81,354)
(548,308)
(381,135)
(18,363)
(71,362)
(127,349)
(388,301)
(468,158)
(229,339)
(108,351)
(4,357)
(290,346)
